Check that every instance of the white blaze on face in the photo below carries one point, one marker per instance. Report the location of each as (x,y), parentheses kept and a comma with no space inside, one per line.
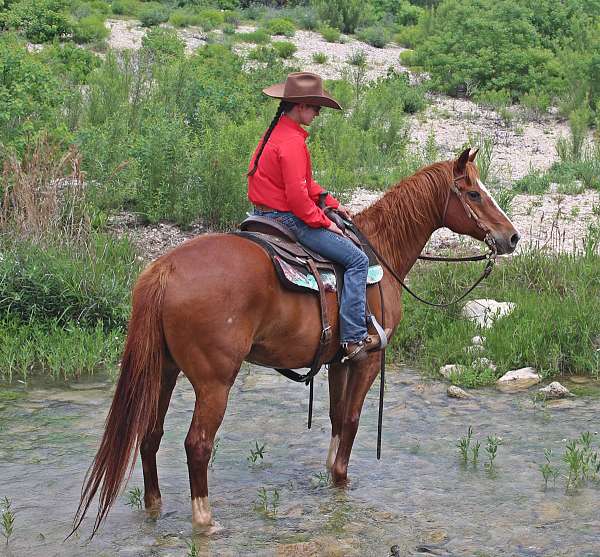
(485,190)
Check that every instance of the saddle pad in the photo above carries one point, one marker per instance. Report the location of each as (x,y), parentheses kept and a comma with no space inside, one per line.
(298,276)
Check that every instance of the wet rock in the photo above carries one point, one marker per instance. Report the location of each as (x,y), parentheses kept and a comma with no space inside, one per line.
(485,311)
(456,392)
(518,379)
(452,369)
(555,390)
(395,551)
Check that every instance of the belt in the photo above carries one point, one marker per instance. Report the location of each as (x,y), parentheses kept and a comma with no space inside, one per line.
(263,208)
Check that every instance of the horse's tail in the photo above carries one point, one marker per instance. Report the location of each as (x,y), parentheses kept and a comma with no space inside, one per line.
(135,403)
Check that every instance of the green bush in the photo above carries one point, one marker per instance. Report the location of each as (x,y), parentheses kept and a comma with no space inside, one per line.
(126,7)
(229,29)
(68,283)
(345,15)
(153,14)
(258,37)
(330,34)
(319,57)
(280,26)
(263,53)
(284,49)
(210,19)
(30,96)
(63,350)
(164,44)
(90,29)
(69,61)
(376,36)
(184,18)
(40,20)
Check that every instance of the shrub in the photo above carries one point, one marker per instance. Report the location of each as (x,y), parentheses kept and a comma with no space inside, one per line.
(319,57)
(493,99)
(264,53)
(164,44)
(68,61)
(153,14)
(330,34)
(345,15)
(357,58)
(258,37)
(183,18)
(228,29)
(536,103)
(30,96)
(90,29)
(125,7)
(281,26)
(375,36)
(40,20)
(208,19)
(284,49)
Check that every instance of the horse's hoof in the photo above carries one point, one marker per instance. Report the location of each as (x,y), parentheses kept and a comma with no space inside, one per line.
(153,506)
(207,529)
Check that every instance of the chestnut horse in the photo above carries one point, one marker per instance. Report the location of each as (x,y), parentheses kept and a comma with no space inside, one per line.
(215,301)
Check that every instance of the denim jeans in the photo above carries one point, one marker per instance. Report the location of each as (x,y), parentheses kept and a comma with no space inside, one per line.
(340,249)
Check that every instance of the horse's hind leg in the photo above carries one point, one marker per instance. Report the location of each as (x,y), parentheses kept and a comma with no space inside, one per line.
(211,402)
(151,441)
(338,378)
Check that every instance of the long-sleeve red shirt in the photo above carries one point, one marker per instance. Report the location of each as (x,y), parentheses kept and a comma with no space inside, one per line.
(283,180)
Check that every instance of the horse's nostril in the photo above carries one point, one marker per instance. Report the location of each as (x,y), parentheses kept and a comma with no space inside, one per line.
(514,239)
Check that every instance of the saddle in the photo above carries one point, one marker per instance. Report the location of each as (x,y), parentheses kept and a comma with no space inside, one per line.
(300,268)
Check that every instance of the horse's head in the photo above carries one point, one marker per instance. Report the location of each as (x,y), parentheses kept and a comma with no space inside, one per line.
(471,209)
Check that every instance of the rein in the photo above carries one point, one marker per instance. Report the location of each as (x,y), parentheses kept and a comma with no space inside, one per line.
(489,240)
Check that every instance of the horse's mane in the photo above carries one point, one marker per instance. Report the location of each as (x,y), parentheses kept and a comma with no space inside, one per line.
(415,202)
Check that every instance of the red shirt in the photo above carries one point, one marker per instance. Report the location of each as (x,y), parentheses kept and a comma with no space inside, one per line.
(283,180)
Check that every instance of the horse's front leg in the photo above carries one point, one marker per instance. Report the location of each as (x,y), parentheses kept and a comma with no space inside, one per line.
(361,377)
(338,378)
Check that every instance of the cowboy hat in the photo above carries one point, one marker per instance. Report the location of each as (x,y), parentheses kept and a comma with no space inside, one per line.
(302,87)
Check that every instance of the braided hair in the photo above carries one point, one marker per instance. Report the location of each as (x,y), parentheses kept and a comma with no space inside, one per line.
(284,106)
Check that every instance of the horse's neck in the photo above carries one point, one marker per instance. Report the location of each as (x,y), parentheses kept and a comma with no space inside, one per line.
(399,231)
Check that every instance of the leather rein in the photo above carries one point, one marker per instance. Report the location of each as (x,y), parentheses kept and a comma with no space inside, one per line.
(489,240)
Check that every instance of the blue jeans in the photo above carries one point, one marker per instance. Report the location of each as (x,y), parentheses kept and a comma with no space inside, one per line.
(340,249)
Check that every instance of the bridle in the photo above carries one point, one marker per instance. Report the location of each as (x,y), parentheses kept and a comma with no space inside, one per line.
(489,240)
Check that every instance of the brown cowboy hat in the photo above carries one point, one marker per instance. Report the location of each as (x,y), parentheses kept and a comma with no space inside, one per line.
(302,87)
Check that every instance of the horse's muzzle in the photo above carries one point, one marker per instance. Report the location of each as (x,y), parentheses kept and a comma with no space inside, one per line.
(507,243)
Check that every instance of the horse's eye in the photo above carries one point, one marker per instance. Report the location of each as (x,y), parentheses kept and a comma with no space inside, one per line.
(474,195)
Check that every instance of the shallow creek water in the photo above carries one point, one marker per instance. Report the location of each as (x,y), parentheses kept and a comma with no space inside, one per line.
(418,497)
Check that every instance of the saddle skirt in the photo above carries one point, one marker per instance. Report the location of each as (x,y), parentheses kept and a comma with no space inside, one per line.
(289,257)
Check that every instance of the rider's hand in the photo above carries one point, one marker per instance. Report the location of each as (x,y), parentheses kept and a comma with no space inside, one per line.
(334,228)
(345,212)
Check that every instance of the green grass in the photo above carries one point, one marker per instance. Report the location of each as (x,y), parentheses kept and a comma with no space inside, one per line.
(552,328)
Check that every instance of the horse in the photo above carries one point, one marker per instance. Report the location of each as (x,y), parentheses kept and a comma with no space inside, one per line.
(215,301)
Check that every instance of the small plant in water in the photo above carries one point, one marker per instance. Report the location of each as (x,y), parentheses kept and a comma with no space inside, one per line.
(475,452)
(464,443)
(322,479)
(8,518)
(268,505)
(491,448)
(256,453)
(134,498)
(549,471)
(192,549)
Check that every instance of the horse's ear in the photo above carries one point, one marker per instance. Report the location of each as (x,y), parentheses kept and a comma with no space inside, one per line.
(460,164)
(473,153)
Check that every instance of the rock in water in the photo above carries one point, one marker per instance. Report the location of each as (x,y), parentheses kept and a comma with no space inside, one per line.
(555,390)
(456,392)
(485,311)
(518,379)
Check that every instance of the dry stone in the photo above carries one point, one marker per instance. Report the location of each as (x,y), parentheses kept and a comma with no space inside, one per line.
(485,311)
(518,379)
(456,392)
(555,390)
(452,369)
